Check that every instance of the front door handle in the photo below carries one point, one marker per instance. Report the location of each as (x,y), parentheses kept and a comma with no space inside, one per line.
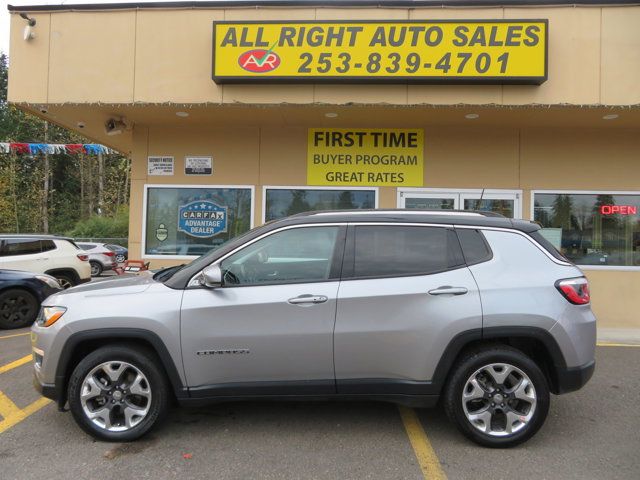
(447,290)
(307,299)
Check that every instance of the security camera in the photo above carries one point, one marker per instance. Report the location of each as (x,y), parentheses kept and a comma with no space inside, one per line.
(80,124)
(114,126)
(28,33)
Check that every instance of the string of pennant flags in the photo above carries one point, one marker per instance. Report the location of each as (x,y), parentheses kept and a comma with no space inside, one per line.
(54,148)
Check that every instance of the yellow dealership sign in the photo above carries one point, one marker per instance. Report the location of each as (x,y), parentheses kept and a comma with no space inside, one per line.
(433,51)
(366,157)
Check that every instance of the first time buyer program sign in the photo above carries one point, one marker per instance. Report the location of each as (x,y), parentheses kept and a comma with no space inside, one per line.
(365,157)
(419,51)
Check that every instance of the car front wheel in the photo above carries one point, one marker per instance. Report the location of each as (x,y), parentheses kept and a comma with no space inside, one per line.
(497,397)
(18,308)
(118,393)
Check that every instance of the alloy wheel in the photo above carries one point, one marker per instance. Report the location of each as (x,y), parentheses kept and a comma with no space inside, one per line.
(115,396)
(499,399)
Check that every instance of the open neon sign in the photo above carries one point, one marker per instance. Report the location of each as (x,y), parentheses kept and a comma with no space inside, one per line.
(618,210)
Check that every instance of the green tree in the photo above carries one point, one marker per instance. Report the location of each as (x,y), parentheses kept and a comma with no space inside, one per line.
(72,191)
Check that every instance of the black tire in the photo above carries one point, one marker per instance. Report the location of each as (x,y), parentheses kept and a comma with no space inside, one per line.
(65,280)
(18,308)
(120,258)
(476,360)
(140,358)
(96,268)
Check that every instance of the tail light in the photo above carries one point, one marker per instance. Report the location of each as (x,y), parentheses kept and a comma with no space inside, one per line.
(109,254)
(83,256)
(575,290)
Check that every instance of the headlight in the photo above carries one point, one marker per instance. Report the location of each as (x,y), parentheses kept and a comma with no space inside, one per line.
(50,315)
(52,282)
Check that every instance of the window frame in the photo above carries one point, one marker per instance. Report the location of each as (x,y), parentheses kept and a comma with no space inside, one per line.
(348,266)
(517,207)
(145,207)
(376,191)
(620,268)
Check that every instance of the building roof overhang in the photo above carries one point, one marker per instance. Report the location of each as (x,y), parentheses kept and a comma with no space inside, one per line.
(67,6)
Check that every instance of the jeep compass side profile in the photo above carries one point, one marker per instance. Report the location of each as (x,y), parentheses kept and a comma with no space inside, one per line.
(472,309)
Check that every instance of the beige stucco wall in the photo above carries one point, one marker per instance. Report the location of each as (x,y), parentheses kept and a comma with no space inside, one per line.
(157,56)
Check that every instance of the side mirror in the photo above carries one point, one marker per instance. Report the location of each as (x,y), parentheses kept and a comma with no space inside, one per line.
(212,276)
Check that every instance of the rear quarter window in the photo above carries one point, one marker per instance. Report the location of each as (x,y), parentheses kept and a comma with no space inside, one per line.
(548,246)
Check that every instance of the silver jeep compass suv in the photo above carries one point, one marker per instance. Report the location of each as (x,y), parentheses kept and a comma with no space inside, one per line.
(474,309)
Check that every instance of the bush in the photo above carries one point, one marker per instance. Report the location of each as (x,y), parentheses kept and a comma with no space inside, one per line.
(102,227)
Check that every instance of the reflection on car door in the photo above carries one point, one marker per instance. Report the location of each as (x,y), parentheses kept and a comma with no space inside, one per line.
(269,329)
(405,294)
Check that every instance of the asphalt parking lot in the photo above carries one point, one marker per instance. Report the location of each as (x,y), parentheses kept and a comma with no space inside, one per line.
(590,434)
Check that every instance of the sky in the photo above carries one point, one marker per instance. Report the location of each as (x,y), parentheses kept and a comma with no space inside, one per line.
(4,14)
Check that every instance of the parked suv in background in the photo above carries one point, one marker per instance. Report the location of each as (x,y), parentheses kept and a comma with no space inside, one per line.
(477,310)
(100,257)
(59,257)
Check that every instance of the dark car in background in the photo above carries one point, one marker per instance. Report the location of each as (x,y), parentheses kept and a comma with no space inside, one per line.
(122,254)
(21,294)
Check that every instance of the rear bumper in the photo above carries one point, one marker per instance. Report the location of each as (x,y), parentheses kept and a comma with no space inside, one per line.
(570,379)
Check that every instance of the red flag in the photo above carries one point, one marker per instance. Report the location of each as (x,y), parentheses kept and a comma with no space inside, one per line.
(19,148)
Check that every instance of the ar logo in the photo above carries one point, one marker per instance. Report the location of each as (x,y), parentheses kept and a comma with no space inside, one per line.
(259,60)
(162,233)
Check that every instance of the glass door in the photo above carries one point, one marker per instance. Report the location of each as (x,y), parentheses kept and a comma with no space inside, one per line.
(430,201)
(506,203)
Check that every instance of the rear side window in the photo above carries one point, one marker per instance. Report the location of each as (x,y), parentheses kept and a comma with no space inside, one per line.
(474,246)
(404,250)
(548,246)
(47,245)
(19,246)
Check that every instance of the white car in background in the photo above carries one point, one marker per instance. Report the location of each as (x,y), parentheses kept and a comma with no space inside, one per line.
(59,257)
(101,257)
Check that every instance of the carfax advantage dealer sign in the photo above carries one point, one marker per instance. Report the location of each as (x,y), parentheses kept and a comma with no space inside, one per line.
(434,51)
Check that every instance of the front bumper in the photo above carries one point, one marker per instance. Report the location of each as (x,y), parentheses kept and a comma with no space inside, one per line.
(570,379)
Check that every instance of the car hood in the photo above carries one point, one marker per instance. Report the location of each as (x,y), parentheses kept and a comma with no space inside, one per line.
(118,286)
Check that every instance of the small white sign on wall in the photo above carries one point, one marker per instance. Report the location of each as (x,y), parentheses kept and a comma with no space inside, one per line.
(160,165)
(198,165)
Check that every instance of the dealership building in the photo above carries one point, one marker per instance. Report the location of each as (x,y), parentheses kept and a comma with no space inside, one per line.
(235,113)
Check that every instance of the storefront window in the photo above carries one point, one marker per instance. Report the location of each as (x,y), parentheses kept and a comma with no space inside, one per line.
(282,202)
(192,221)
(592,229)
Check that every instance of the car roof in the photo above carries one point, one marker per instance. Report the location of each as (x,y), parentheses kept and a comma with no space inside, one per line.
(438,217)
(41,236)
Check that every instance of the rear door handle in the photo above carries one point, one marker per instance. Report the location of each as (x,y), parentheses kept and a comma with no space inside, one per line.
(307,299)
(447,290)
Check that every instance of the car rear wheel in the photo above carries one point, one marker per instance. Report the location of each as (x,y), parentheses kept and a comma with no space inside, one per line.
(18,308)
(118,393)
(497,397)
(96,268)
(120,258)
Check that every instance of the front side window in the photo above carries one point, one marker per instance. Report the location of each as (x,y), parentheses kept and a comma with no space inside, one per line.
(193,221)
(404,250)
(591,229)
(289,256)
(19,246)
(284,202)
